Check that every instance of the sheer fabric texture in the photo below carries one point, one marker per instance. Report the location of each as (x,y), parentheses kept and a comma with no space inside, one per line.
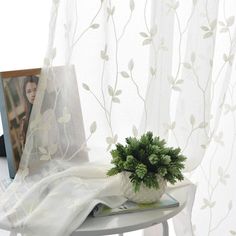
(166,66)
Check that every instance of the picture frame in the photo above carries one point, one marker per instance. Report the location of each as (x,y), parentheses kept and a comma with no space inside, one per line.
(13,112)
(17,92)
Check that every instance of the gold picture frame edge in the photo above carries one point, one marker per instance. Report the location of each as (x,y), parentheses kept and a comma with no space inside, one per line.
(18,73)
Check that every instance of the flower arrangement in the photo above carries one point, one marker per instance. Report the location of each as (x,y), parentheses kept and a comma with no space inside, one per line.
(146,159)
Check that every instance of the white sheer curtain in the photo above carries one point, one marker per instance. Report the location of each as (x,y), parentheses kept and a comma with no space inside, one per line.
(140,65)
(173,62)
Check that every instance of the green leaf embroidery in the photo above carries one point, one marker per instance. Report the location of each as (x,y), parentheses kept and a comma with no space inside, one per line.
(94,26)
(42,150)
(131,5)
(147,41)
(180,81)
(192,120)
(93,127)
(23,172)
(115,138)
(85,86)
(110,91)
(207,203)
(153,71)
(221,23)
(218,138)
(112,140)
(135,131)
(104,56)
(211,62)
(118,92)
(109,140)
(45,157)
(108,147)
(171,79)
(176,88)
(187,65)
(208,35)
(131,65)
(110,11)
(65,118)
(205,28)
(176,5)
(225,58)
(172,126)
(143,34)
(213,24)
(124,74)
(116,99)
(224,30)
(202,125)
(193,57)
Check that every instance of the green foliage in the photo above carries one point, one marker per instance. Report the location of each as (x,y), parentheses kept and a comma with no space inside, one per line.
(146,158)
(141,170)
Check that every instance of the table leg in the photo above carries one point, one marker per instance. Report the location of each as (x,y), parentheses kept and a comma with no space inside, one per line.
(165,228)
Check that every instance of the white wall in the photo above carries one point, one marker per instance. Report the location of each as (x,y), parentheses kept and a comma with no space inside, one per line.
(23,34)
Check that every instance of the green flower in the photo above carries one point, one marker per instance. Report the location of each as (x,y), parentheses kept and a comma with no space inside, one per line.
(130,163)
(141,170)
(166,160)
(162,171)
(153,158)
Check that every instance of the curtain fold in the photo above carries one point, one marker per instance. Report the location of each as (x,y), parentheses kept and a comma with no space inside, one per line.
(158,92)
(193,111)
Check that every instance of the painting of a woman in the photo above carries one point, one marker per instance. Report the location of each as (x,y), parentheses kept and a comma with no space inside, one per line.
(17,94)
(29,91)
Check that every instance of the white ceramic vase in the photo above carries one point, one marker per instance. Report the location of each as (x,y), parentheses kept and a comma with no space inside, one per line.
(144,195)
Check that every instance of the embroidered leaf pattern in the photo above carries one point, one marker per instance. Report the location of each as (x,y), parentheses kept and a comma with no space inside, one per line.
(93,127)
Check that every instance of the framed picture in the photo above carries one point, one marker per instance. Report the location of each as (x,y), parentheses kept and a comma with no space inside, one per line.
(17,93)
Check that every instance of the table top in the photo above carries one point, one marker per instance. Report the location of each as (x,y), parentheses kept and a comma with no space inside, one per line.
(95,226)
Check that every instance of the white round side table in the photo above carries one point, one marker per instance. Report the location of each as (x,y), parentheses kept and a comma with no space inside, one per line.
(119,224)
